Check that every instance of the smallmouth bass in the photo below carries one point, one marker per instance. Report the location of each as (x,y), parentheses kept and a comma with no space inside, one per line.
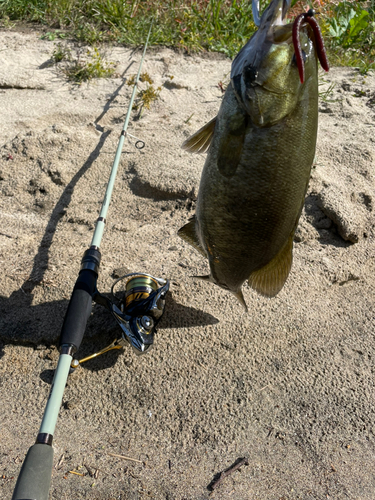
(261,147)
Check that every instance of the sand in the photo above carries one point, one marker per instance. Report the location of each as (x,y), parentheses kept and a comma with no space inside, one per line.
(289,386)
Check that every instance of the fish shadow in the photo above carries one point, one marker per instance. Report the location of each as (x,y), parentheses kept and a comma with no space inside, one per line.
(145,190)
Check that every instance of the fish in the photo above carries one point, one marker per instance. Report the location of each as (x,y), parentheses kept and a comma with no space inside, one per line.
(260,150)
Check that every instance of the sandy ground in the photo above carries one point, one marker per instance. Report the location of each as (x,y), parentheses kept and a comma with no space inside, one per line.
(290,385)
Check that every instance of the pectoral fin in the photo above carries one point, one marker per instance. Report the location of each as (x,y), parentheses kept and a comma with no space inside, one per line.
(189,234)
(231,145)
(270,279)
(201,140)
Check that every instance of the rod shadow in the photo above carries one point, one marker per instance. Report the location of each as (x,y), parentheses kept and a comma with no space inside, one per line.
(27,324)
(20,322)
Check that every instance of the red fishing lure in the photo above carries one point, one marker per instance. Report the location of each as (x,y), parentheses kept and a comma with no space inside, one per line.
(322,56)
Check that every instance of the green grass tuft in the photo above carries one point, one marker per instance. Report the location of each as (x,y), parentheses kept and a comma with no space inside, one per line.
(224,26)
(82,66)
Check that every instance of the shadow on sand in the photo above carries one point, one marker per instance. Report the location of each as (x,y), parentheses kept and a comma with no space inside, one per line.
(27,324)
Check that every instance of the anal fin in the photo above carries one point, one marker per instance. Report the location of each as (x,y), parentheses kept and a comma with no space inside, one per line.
(239,295)
(240,298)
(270,279)
(188,233)
(201,140)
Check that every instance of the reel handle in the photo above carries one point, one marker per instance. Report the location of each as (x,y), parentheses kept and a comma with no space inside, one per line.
(35,477)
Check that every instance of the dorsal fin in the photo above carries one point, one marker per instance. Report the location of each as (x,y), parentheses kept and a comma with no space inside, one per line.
(201,140)
(188,233)
(270,279)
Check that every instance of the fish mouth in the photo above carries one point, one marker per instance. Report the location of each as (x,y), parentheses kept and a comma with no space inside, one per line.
(248,71)
(253,52)
(274,15)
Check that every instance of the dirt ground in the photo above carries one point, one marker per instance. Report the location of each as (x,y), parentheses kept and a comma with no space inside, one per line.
(289,386)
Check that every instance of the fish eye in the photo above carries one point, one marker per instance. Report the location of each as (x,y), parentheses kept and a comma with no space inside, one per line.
(250,73)
(304,56)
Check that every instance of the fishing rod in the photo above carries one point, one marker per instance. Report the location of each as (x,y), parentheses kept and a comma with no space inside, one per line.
(137,308)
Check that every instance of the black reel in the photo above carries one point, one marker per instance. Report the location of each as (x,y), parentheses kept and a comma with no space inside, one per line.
(137,306)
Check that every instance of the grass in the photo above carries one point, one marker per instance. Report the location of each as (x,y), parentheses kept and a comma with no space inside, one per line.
(82,65)
(223,26)
(146,96)
(88,66)
(349,30)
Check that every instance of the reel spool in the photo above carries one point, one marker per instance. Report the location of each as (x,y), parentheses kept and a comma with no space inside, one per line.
(141,291)
(137,288)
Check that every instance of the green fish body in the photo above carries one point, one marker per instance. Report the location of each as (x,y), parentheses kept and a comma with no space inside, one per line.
(261,149)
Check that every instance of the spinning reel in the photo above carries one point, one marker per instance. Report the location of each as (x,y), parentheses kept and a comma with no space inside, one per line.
(137,306)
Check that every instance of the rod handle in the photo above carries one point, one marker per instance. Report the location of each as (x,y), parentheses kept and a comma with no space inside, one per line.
(79,309)
(35,476)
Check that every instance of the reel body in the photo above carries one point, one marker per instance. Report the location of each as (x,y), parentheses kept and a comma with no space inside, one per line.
(137,306)
(140,308)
